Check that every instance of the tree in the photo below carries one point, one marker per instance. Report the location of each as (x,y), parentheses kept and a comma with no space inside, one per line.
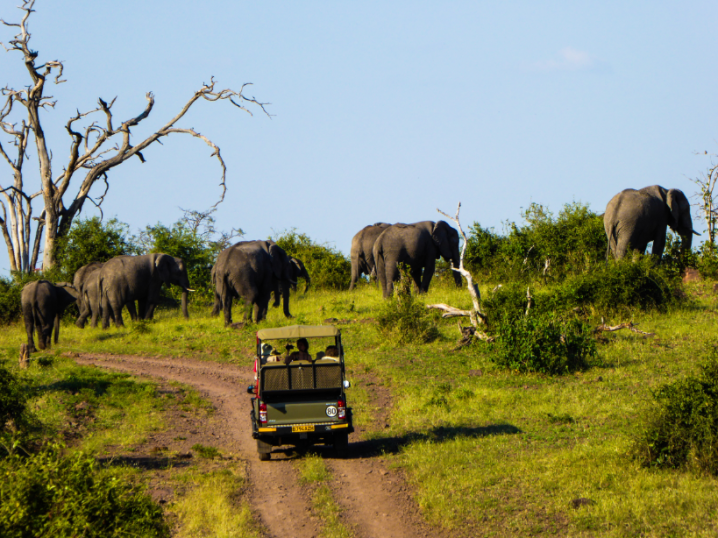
(707,204)
(92,154)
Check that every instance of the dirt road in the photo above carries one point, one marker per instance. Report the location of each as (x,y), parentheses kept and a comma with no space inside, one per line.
(376,501)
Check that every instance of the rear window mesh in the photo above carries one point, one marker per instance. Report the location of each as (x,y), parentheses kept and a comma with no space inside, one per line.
(328,376)
(324,376)
(275,379)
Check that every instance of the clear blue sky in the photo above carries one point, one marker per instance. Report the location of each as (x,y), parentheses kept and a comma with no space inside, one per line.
(384,111)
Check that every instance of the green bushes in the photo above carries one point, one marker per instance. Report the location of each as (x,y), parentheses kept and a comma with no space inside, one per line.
(543,343)
(403,319)
(13,413)
(682,431)
(327,267)
(90,240)
(573,242)
(48,494)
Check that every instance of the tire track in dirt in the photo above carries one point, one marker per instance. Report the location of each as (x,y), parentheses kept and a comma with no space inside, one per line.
(376,501)
(275,495)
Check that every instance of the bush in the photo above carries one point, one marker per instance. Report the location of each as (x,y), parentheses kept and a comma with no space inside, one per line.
(543,343)
(13,402)
(90,240)
(48,494)
(614,288)
(194,247)
(682,430)
(573,242)
(404,319)
(327,267)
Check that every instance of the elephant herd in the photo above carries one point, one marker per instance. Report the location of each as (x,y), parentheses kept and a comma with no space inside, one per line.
(254,270)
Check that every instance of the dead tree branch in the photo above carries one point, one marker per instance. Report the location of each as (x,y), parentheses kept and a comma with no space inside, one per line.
(626,325)
(96,147)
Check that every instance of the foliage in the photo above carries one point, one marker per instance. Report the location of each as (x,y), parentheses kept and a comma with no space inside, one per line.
(615,287)
(707,205)
(208,452)
(572,243)
(327,267)
(682,432)
(48,494)
(13,404)
(543,343)
(90,240)
(403,318)
(192,239)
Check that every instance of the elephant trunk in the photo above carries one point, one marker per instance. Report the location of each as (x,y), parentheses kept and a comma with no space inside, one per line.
(308,281)
(184,304)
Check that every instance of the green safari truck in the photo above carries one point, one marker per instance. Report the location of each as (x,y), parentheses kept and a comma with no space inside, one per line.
(299,398)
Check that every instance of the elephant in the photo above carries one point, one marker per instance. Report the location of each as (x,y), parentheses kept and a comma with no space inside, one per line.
(43,304)
(634,218)
(87,283)
(125,279)
(297,270)
(249,271)
(362,251)
(418,245)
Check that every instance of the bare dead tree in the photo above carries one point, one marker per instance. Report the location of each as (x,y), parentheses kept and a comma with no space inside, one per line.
(96,147)
(475,315)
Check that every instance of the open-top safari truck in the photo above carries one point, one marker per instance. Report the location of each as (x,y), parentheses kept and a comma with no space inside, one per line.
(301,403)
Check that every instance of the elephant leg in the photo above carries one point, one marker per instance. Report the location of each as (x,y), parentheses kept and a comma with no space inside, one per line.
(285,300)
(95,315)
(115,306)
(355,274)
(428,274)
(391,275)
(56,329)
(278,291)
(227,307)
(217,305)
(132,310)
(415,271)
(85,312)
(29,327)
(659,245)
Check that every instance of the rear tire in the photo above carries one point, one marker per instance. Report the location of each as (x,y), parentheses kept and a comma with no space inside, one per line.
(264,456)
(341,443)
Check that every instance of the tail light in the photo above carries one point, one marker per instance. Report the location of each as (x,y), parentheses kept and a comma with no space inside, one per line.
(263,413)
(341,409)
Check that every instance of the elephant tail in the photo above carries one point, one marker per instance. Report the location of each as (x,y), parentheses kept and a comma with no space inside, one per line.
(612,241)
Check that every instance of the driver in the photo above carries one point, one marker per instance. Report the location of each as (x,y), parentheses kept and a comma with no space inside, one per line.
(302,354)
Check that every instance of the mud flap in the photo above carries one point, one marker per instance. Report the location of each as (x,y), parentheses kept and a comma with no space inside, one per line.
(263,448)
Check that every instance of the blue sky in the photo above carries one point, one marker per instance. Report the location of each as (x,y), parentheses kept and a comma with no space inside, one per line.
(384,111)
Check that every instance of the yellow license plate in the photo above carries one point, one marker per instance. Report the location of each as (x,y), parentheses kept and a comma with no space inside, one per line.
(303,428)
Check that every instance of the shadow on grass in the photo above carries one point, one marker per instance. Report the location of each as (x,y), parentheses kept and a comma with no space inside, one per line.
(146,463)
(369,448)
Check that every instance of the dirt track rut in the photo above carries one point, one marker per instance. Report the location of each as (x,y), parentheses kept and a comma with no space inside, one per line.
(375,500)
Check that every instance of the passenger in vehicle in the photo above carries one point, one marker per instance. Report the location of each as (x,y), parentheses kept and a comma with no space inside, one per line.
(302,354)
(332,351)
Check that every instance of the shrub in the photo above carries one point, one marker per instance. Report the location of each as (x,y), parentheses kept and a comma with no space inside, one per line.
(573,242)
(12,402)
(682,429)
(327,267)
(90,240)
(48,494)
(543,343)
(403,318)
(10,305)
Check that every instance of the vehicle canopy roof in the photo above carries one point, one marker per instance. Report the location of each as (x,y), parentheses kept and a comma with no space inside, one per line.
(298,331)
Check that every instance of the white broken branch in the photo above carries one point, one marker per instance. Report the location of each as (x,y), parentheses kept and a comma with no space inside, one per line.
(627,325)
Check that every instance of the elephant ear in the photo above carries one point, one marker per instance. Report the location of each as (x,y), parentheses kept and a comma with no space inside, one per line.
(679,208)
(280,265)
(162,267)
(440,237)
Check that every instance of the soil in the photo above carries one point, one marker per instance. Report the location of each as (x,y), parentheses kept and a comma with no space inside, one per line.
(376,499)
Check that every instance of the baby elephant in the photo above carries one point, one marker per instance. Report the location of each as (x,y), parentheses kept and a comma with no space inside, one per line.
(43,304)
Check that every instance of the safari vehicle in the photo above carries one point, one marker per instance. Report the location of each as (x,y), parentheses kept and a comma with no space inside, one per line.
(301,403)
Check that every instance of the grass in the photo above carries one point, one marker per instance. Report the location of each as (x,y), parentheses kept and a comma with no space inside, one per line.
(211,506)
(516,449)
(313,472)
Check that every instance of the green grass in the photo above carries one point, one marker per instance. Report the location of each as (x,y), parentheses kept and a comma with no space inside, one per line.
(516,449)
(313,472)
(211,506)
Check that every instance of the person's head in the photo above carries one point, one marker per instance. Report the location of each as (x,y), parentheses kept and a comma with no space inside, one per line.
(302,344)
(332,351)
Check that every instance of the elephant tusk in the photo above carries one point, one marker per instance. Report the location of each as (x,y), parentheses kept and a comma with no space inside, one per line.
(189,289)
(696,233)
